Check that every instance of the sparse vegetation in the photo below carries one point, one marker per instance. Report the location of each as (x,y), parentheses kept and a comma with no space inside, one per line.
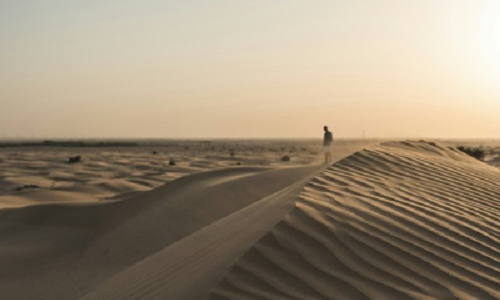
(171,162)
(477,153)
(285,158)
(28,186)
(74,159)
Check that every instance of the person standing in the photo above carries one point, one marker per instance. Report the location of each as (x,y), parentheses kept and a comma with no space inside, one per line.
(327,142)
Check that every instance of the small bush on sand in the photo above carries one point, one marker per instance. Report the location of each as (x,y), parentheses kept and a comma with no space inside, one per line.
(474,152)
(74,159)
(285,158)
(28,186)
(171,162)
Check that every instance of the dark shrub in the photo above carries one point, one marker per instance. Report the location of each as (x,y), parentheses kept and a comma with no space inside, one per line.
(29,186)
(285,158)
(477,153)
(171,162)
(74,159)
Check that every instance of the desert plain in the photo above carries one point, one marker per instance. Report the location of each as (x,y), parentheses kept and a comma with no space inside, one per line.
(250,219)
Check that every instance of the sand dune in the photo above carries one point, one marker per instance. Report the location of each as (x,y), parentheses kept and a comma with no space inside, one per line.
(400,220)
(189,268)
(409,220)
(77,246)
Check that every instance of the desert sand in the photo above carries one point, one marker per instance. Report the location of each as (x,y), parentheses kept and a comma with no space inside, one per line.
(117,173)
(392,220)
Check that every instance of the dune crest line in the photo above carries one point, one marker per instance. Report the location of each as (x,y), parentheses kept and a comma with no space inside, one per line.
(399,220)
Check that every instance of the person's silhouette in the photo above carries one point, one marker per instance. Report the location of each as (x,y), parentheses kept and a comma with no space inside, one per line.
(327,142)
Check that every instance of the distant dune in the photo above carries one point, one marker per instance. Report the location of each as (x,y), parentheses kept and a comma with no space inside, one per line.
(398,220)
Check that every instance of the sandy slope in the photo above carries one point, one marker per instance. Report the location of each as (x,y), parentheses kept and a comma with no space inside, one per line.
(90,222)
(189,268)
(61,251)
(409,220)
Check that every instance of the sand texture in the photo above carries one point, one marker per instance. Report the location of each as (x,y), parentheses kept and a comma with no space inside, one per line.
(397,220)
(42,175)
(100,219)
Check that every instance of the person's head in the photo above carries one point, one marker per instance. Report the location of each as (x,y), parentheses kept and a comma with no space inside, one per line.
(325,128)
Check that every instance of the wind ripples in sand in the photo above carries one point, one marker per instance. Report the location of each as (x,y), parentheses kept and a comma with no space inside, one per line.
(411,220)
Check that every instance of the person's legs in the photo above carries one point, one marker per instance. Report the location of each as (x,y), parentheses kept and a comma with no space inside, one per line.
(326,149)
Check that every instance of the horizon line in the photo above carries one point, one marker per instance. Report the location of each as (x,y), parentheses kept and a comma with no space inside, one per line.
(237,138)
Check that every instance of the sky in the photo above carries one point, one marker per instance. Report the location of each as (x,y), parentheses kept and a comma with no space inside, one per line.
(249,69)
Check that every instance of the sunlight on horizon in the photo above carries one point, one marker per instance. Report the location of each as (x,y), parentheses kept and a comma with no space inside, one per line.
(250,69)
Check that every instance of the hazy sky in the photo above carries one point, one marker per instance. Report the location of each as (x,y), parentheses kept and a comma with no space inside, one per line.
(258,68)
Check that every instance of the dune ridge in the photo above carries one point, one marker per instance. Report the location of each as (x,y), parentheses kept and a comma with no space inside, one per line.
(104,243)
(399,220)
(189,268)
(64,251)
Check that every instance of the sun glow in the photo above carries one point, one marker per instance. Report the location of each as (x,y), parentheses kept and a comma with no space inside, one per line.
(488,37)
(479,35)
(474,52)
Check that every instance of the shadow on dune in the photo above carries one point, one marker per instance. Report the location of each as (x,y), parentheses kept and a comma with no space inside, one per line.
(82,244)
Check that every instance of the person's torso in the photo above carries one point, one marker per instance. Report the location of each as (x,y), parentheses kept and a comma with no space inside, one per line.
(328,138)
